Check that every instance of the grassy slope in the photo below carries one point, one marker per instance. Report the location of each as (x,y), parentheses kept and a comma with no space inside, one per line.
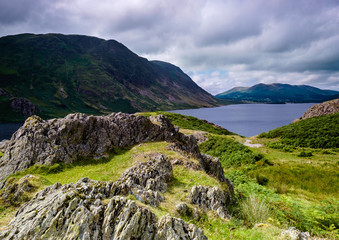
(69,73)
(317,132)
(294,191)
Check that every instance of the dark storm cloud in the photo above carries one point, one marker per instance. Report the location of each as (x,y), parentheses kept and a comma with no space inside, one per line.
(221,43)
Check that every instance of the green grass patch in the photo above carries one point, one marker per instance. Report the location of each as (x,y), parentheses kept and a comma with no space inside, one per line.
(193,123)
(106,169)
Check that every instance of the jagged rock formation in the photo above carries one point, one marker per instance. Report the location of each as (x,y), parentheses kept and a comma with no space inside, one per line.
(211,198)
(77,211)
(146,180)
(325,108)
(65,139)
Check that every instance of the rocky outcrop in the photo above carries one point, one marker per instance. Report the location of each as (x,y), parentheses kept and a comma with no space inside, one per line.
(23,105)
(146,181)
(76,211)
(65,139)
(211,198)
(325,108)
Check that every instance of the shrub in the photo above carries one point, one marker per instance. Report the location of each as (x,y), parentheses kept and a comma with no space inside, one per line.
(230,152)
(305,154)
(262,180)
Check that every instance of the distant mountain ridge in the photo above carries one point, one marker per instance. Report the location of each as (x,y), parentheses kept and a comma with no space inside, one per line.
(55,74)
(278,93)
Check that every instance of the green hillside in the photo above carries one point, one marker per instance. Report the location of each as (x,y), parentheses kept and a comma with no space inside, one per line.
(316,132)
(60,74)
(278,93)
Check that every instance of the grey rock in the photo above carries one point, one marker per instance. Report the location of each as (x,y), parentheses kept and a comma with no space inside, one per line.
(211,198)
(181,208)
(64,212)
(3,145)
(146,180)
(294,234)
(17,192)
(175,228)
(65,139)
(325,108)
(23,105)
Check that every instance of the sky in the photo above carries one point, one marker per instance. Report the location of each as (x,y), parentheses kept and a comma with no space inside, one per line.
(220,44)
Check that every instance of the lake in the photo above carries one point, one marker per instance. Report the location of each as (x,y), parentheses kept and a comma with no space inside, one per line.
(244,119)
(7,129)
(250,119)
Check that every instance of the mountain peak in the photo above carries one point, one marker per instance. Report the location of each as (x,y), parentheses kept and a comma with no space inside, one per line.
(75,73)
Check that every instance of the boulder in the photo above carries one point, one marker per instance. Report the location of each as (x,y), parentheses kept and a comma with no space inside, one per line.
(175,228)
(23,105)
(146,181)
(294,234)
(211,198)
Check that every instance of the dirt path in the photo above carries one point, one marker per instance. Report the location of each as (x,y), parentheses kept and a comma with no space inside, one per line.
(248,143)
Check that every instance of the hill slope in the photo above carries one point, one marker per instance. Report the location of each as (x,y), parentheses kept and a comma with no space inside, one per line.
(278,93)
(316,132)
(55,74)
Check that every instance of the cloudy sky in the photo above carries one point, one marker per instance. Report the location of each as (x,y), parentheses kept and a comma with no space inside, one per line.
(219,43)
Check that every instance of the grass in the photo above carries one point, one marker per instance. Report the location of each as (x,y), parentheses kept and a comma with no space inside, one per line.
(107,169)
(192,123)
(254,210)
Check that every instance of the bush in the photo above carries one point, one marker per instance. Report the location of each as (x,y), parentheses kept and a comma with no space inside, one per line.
(262,180)
(305,154)
(230,152)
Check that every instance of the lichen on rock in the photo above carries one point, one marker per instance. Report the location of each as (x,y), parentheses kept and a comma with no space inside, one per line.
(212,198)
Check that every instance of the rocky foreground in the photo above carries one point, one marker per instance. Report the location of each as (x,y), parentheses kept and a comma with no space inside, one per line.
(78,135)
(92,209)
(325,108)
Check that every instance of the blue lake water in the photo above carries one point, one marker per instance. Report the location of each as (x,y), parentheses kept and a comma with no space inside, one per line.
(244,119)
(250,119)
(7,129)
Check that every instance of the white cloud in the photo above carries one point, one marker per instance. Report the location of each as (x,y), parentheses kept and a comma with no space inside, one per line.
(219,43)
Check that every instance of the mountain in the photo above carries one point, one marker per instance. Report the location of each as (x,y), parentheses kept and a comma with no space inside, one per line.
(278,93)
(53,74)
